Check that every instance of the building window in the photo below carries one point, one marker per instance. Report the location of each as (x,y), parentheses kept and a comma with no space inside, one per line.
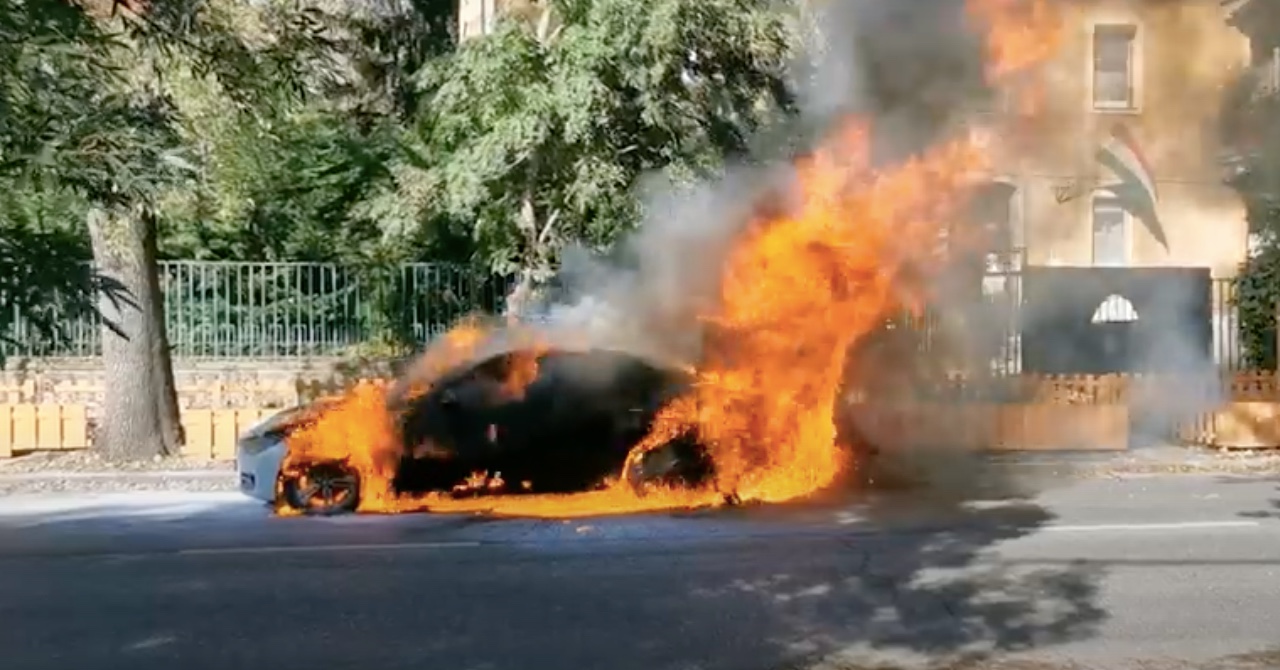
(1113,66)
(1110,232)
(1268,74)
(995,215)
(993,212)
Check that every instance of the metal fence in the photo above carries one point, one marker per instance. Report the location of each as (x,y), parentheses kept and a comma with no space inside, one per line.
(233,309)
(246,310)
(1228,348)
(996,323)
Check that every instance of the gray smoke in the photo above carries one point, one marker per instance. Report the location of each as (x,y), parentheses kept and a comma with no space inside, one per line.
(910,66)
(914,68)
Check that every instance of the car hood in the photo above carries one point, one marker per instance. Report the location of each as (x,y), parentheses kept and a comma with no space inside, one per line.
(284,419)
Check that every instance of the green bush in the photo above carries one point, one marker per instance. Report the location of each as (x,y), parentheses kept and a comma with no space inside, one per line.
(1257,295)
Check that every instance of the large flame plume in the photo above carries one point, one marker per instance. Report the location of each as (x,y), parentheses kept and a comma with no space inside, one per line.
(800,289)
(820,269)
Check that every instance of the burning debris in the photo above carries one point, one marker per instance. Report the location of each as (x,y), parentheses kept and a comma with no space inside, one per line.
(523,420)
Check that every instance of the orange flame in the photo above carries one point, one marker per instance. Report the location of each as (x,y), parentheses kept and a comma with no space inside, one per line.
(1021,34)
(360,431)
(801,287)
(799,291)
(523,371)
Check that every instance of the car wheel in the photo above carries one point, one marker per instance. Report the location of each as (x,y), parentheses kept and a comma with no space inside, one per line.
(680,463)
(323,489)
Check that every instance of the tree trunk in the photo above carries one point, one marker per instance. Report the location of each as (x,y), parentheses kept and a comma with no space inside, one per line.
(536,262)
(139,416)
(521,296)
(166,387)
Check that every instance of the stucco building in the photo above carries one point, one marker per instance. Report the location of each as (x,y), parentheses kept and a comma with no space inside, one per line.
(1122,164)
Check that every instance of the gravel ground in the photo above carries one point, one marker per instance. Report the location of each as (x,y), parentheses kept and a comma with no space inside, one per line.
(86,472)
(88,461)
(117,484)
(1170,460)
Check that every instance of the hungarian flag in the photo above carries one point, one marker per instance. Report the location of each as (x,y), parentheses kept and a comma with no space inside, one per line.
(1137,188)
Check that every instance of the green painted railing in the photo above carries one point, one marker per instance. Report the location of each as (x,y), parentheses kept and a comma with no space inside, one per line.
(247,310)
(234,309)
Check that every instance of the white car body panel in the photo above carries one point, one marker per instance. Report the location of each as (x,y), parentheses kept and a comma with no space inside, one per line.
(258,465)
(261,450)
(259,454)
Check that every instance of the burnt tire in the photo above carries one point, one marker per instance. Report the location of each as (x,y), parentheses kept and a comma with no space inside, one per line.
(681,463)
(324,489)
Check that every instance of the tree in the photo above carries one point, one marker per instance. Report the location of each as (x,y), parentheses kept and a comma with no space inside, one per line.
(1251,129)
(116,148)
(127,151)
(71,128)
(294,177)
(534,136)
(384,45)
(85,112)
(48,48)
(279,184)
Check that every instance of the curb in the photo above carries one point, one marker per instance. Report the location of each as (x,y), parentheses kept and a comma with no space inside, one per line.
(56,475)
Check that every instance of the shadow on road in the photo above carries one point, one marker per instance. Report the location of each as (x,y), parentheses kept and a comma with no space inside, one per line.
(1272,511)
(900,571)
(1263,660)
(923,590)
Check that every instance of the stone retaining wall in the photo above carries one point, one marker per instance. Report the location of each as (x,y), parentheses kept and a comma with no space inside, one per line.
(202,384)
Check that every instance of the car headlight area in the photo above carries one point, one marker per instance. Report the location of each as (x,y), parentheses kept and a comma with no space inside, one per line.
(258,459)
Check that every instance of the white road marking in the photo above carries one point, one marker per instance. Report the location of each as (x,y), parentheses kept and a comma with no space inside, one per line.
(326,548)
(1179,525)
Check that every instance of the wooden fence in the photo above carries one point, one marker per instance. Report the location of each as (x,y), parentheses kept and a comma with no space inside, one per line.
(211,433)
(1245,416)
(995,427)
(29,427)
(37,415)
(1023,413)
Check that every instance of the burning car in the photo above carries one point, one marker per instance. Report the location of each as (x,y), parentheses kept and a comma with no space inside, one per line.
(516,422)
(261,449)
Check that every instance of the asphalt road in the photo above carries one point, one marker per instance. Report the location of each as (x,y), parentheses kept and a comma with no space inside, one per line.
(1102,572)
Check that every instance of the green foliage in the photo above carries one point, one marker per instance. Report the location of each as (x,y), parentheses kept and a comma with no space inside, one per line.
(280,189)
(39,278)
(1257,296)
(50,157)
(1253,125)
(535,135)
(333,132)
(278,50)
(386,51)
(86,120)
(303,177)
